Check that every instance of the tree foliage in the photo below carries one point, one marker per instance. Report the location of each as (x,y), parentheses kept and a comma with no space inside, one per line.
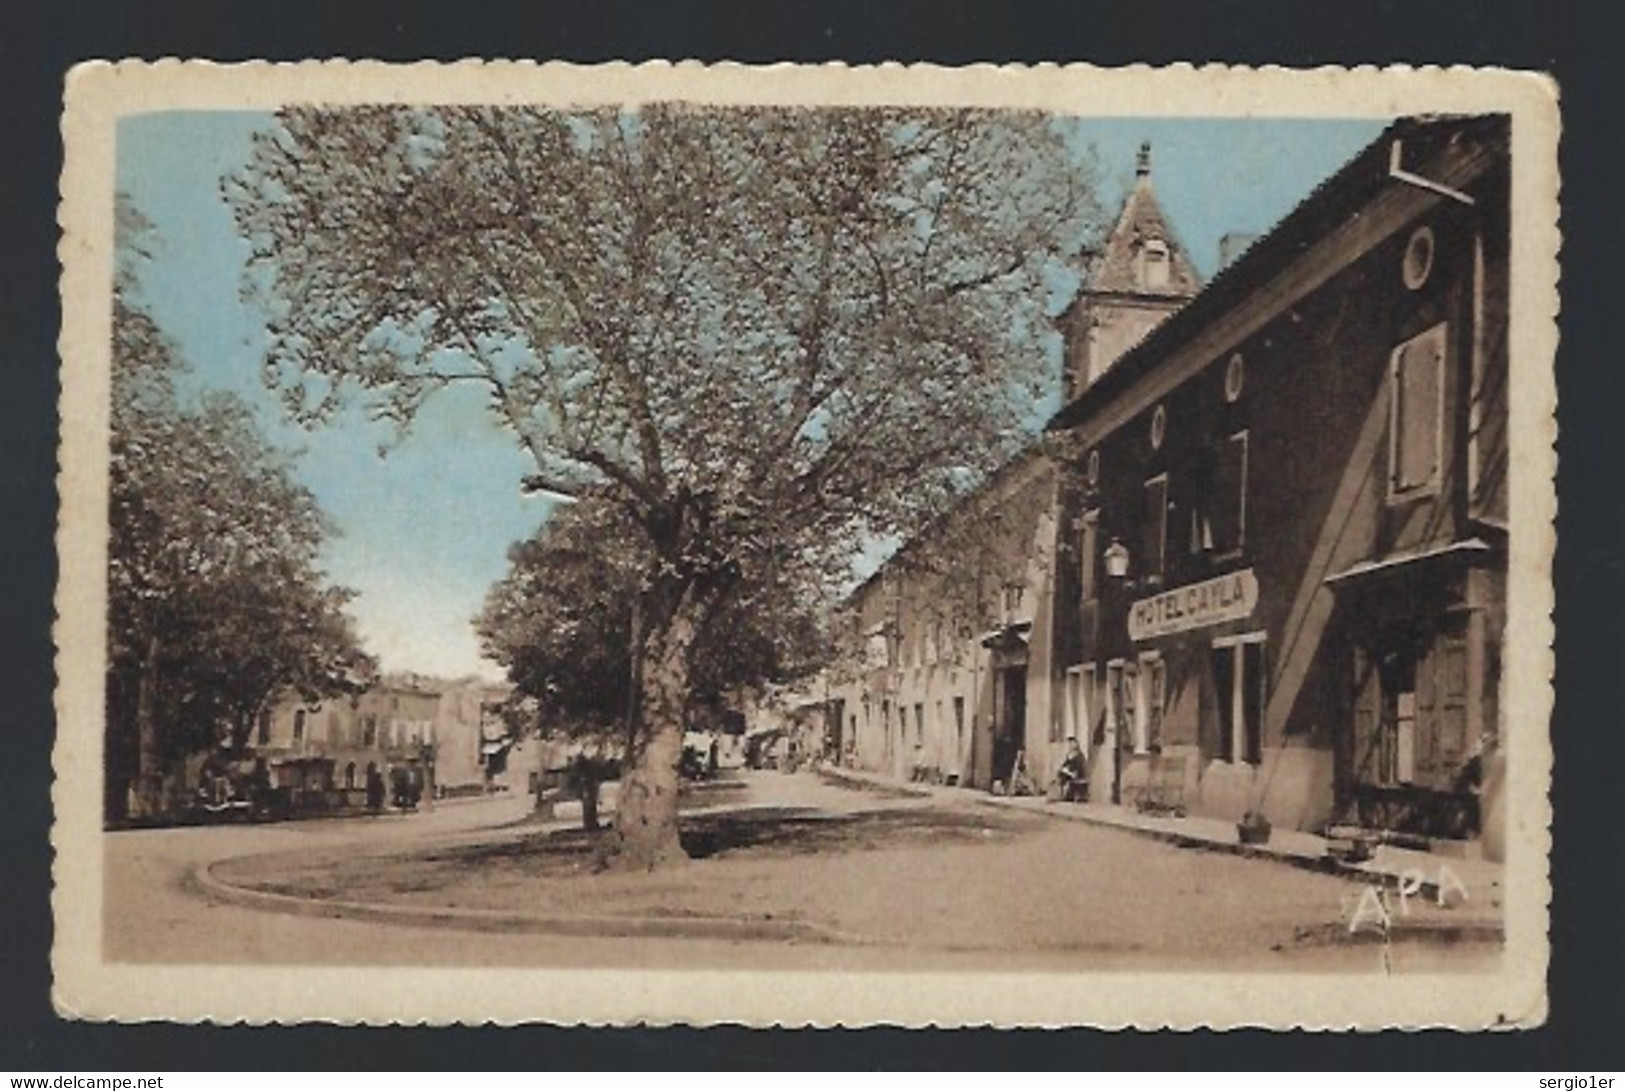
(216,601)
(761,334)
(564,623)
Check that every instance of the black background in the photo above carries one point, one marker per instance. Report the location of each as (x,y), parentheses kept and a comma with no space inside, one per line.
(1579,44)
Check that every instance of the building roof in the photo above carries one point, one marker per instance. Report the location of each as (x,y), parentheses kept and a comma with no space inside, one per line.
(1331,204)
(1141,221)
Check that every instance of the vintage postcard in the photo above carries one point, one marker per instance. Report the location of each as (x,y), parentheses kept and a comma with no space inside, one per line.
(806,545)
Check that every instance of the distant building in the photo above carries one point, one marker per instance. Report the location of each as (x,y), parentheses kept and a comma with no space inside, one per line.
(474,739)
(320,752)
(935,683)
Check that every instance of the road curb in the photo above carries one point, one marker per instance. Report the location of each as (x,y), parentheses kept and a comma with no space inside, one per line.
(502,920)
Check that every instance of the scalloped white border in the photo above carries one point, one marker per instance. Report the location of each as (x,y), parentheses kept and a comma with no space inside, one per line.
(98,93)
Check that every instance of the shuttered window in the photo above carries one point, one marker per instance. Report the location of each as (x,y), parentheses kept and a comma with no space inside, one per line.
(1239,684)
(1156,525)
(1088,555)
(1416,415)
(1226,503)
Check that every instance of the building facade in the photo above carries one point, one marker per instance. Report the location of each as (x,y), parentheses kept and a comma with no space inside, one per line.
(320,753)
(473,739)
(948,644)
(955,676)
(1284,551)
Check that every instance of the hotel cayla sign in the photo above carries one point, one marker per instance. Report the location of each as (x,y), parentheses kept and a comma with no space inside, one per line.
(1195,606)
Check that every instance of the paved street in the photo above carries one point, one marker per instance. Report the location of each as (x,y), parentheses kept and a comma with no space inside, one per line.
(916,883)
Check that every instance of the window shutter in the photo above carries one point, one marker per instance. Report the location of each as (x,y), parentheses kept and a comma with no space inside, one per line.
(1419,374)
(1088,556)
(1156,524)
(1228,496)
(1427,718)
(1224,680)
(1367,718)
(1252,699)
(1448,732)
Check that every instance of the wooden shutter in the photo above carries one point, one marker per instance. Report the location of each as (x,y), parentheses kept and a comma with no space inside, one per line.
(1227,498)
(1427,719)
(1224,699)
(1253,680)
(1155,525)
(1441,685)
(1088,556)
(1367,719)
(1419,379)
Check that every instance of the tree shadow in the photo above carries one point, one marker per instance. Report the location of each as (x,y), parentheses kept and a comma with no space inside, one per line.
(802,831)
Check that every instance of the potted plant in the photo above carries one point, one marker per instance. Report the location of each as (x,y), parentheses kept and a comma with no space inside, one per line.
(1253,829)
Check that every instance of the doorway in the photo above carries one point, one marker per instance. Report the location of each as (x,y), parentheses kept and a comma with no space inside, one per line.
(1010,723)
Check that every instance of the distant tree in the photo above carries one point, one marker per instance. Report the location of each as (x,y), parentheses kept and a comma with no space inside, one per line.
(215,599)
(564,622)
(763,334)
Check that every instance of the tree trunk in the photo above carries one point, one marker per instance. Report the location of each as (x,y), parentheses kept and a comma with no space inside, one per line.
(646,811)
(148,790)
(589,804)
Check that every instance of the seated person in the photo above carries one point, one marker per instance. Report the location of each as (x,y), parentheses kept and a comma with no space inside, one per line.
(1072,778)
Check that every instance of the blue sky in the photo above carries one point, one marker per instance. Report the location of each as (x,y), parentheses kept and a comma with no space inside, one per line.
(424,530)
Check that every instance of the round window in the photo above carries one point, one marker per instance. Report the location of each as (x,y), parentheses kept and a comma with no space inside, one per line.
(1418,258)
(1235,373)
(1092,468)
(1159,427)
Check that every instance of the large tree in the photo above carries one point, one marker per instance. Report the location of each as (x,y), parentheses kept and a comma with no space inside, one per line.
(763,334)
(215,598)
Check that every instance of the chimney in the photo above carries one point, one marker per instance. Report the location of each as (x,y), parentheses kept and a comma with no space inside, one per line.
(1232,244)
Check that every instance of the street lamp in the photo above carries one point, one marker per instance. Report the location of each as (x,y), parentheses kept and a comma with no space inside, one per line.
(1116,557)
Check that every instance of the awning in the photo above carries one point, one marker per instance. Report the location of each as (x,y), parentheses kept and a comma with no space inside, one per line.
(1401,561)
(1008,636)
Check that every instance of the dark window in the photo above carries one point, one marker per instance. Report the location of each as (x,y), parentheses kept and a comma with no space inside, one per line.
(1228,511)
(1224,699)
(1252,701)
(1155,526)
(369,730)
(919,725)
(299,726)
(1238,684)
(264,737)
(1154,259)
(1088,555)
(1416,414)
